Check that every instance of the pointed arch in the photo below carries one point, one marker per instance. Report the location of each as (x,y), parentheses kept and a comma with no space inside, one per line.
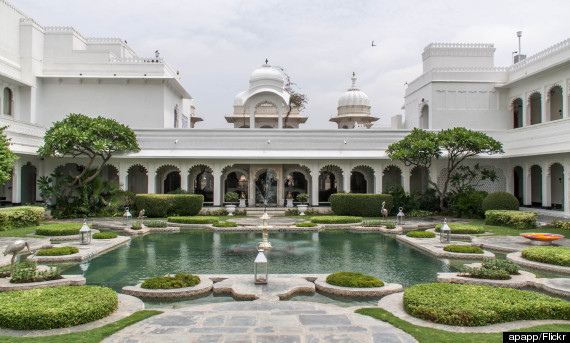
(137,179)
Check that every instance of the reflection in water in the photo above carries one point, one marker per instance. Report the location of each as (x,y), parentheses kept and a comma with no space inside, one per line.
(203,252)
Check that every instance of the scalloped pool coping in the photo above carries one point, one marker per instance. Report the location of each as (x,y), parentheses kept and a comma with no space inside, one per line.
(205,286)
(517,258)
(434,247)
(97,247)
(68,280)
(388,288)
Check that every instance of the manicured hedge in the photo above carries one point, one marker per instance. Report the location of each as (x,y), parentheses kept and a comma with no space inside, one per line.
(463,229)
(225,224)
(21,216)
(349,279)
(306,224)
(494,269)
(365,205)
(169,282)
(194,220)
(58,251)
(55,307)
(470,305)
(500,201)
(421,234)
(59,229)
(462,249)
(522,220)
(104,235)
(559,256)
(336,220)
(155,223)
(162,205)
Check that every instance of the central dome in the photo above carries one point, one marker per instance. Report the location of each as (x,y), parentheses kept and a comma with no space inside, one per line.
(354,96)
(266,75)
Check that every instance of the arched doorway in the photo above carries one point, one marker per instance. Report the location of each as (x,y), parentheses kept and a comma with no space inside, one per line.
(110,174)
(137,179)
(237,182)
(328,183)
(536,185)
(535,109)
(28,182)
(266,188)
(517,113)
(358,182)
(518,188)
(167,179)
(391,178)
(295,183)
(418,180)
(555,102)
(204,184)
(557,186)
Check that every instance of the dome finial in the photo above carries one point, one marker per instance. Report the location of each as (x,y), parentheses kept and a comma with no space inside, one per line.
(266,61)
(353,80)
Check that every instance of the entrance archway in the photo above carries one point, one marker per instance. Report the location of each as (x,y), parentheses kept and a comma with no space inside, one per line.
(237,182)
(357,182)
(536,185)
(329,182)
(266,188)
(137,179)
(28,182)
(295,183)
(167,179)
(392,178)
(204,184)
(557,186)
(418,180)
(518,188)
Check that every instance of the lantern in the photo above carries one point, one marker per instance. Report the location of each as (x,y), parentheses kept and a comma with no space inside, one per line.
(401,217)
(127,217)
(260,263)
(445,233)
(85,233)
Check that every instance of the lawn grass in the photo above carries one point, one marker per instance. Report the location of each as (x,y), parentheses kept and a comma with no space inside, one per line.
(509,231)
(90,336)
(424,334)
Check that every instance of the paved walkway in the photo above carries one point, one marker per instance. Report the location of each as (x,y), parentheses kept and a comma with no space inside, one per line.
(261,321)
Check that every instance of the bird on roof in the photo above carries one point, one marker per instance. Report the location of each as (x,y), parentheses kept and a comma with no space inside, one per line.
(373,43)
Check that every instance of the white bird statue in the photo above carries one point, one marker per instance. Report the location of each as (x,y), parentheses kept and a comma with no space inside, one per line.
(384,211)
(14,248)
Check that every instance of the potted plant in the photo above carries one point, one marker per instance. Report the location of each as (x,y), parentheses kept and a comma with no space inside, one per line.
(232,198)
(302,199)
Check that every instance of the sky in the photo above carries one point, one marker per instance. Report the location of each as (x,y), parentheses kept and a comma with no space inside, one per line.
(216,44)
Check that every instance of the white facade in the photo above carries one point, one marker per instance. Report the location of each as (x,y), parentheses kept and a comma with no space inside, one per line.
(49,72)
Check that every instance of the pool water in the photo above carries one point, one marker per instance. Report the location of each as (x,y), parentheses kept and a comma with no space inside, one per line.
(205,252)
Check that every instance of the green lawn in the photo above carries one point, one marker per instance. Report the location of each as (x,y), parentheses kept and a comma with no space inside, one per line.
(508,231)
(19,232)
(424,334)
(90,336)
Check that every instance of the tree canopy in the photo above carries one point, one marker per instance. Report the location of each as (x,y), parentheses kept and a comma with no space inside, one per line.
(421,147)
(7,157)
(81,136)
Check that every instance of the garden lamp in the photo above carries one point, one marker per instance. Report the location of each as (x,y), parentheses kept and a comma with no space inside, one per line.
(260,276)
(400,216)
(85,233)
(127,217)
(445,232)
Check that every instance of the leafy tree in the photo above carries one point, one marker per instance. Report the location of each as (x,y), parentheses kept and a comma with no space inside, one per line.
(421,147)
(7,157)
(94,138)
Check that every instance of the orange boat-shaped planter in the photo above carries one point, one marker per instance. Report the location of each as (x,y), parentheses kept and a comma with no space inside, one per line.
(543,237)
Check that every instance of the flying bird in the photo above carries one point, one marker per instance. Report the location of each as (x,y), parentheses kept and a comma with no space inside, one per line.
(373,43)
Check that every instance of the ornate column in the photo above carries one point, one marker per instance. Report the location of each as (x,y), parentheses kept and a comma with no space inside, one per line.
(251,186)
(151,178)
(346,178)
(378,169)
(280,192)
(251,117)
(543,110)
(527,196)
(123,176)
(565,95)
(184,176)
(546,186)
(314,195)
(280,116)
(406,179)
(217,175)
(16,182)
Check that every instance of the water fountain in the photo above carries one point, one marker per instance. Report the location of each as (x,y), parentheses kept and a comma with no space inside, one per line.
(264,244)
(265,192)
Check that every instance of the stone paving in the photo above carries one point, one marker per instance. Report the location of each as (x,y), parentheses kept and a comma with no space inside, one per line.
(510,243)
(261,321)
(35,244)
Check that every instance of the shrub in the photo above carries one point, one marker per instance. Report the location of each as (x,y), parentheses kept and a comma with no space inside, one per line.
(306,224)
(365,205)
(496,264)
(463,249)
(516,219)
(59,229)
(169,282)
(295,212)
(559,256)
(162,205)
(467,204)
(375,223)
(225,224)
(561,225)
(420,213)
(470,305)
(27,264)
(421,234)
(303,198)
(491,269)
(231,197)
(500,201)
(58,251)
(194,220)
(467,229)
(349,279)
(26,274)
(336,220)
(155,223)
(136,226)
(57,307)
(21,216)
(104,235)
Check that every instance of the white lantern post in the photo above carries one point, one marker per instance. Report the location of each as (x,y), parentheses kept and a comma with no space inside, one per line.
(445,233)
(85,233)
(401,217)
(260,276)
(127,217)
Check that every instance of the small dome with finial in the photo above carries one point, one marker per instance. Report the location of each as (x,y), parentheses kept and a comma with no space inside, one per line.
(354,96)
(266,75)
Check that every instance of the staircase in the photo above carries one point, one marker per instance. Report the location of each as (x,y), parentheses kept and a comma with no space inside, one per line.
(271,211)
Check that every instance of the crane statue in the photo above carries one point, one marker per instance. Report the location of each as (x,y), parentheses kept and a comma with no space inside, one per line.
(384,211)
(14,248)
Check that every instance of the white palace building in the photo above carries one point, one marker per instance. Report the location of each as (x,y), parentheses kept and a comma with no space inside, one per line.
(48,72)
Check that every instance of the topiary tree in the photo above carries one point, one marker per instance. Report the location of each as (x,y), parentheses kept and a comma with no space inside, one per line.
(500,201)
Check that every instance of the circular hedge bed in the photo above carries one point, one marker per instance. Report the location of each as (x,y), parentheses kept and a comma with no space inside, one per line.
(104,235)
(57,307)
(336,220)
(58,251)
(59,229)
(470,305)
(463,249)
(194,220)
(463,229)
(559,256)
(170,282)
(500,201)
(421,234)
(349,279)
(306,224)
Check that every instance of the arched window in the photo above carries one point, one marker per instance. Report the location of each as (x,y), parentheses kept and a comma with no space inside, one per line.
(8,101)
(535,109)
(517,113)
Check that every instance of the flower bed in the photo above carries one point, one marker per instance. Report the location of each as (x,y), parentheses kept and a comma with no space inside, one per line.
(470,305)
(59,229)
(58,251)
(155,223)
(51,308)
(104,235)
(349,279)
(194,220)
(462,249)
(491,269)
(559,256)
(336,220)
(420,234)
(170,282)
(463,229)
(306,225)
(225,224)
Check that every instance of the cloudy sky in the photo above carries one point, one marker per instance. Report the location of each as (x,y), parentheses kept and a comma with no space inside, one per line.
(216,44)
